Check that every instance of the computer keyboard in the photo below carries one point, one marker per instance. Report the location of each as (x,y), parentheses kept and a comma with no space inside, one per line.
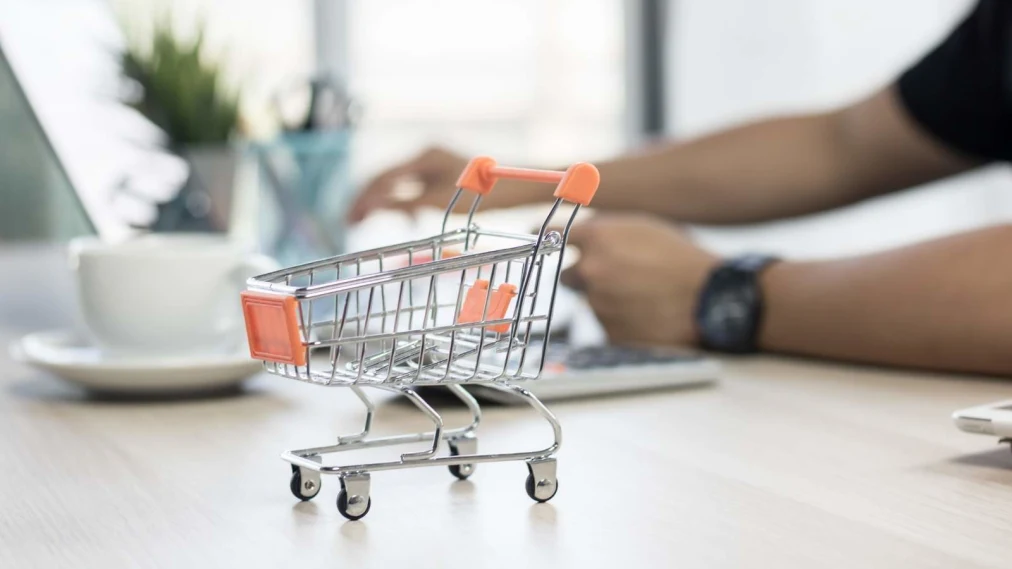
(616,356)
(602,370)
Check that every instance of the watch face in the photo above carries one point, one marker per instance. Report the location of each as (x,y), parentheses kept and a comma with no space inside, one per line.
(727,312)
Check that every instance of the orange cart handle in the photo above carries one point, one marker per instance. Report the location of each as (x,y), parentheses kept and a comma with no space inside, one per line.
(576,185)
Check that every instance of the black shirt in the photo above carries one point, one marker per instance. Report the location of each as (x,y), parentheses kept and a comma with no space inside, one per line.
(961,92)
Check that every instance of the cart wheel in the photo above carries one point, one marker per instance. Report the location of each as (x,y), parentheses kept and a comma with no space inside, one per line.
(461,471)
(540,494)
(296,486)
(342,506)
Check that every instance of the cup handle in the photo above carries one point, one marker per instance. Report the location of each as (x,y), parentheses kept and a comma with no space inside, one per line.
(230,321)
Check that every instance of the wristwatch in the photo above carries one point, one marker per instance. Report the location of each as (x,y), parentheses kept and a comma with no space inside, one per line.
(730,307)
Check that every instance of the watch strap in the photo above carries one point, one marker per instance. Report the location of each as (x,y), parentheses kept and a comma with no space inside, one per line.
(752,262)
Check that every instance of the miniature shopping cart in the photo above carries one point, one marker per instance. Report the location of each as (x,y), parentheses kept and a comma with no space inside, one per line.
(467,306)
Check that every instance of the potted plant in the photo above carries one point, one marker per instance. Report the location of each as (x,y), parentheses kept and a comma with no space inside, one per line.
(184,95)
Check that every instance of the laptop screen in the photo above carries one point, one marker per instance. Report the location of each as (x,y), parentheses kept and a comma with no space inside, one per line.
(62,60)
(38,200)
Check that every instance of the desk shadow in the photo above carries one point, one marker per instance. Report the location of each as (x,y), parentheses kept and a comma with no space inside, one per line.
(442,397)
(52,391)
(543,515)
(873,372)
(305,508)
(463,488)
(543,525)
(309,513)
(436,396)
(995,459)
(356,531)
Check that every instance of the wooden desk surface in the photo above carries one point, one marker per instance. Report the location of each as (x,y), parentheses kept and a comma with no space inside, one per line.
(783,464)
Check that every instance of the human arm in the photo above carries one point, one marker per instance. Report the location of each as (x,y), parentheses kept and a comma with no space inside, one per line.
(942,304)
(781,167)
(938,305)
(766,170)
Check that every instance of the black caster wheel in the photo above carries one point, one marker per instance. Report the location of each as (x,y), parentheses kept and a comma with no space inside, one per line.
(538,494)
(296,486)
(461,471)
(342,506)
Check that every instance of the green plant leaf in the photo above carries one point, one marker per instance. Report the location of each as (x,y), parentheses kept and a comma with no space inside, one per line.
(183,94)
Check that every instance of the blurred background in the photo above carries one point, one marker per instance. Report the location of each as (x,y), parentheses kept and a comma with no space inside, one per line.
(263,118)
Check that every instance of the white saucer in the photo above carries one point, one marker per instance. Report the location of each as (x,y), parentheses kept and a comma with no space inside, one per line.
(68,355)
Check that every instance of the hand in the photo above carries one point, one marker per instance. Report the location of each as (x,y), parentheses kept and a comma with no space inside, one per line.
(642,276)
(437,170)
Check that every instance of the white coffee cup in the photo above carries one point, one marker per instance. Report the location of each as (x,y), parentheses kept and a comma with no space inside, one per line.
(166,295)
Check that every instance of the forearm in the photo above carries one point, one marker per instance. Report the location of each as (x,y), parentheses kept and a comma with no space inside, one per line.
(942,305)
(781,167)
(769,169)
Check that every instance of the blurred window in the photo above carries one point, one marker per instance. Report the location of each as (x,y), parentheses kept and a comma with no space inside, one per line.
(526,81)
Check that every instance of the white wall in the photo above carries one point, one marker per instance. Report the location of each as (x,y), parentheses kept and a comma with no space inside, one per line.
(733,60)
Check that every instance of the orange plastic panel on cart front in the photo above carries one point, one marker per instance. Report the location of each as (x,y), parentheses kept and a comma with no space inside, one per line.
(576,185)
(498,304)
(272,326)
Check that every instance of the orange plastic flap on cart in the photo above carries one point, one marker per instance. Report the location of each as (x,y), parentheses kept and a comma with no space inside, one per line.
(477,176)
(579,184)
(474,304)
(272,326)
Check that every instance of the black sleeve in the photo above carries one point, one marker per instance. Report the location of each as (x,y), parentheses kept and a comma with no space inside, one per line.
(960,91)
